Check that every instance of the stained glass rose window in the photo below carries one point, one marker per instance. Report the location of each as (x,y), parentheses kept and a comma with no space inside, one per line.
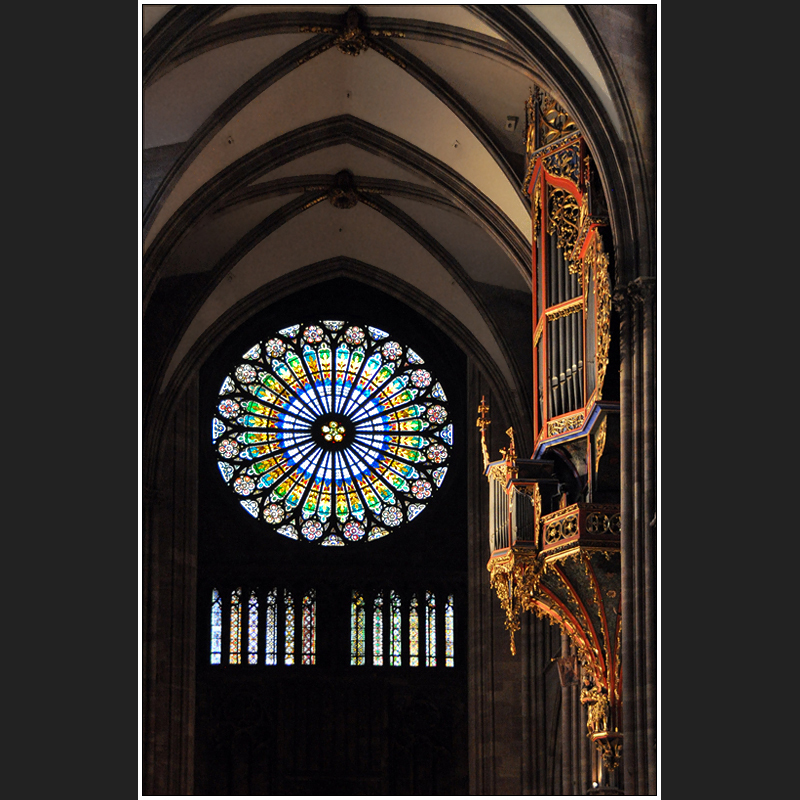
(332,432)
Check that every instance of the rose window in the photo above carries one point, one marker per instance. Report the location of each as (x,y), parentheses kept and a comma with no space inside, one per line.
(332,432)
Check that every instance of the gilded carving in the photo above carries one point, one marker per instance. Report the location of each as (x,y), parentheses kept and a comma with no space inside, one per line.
(563,218)
(596,701)
(573,307)
(537,210)
(352,38)
(514,576)
(564,163)
(600,443)
(554,122)
(566,424)
(597,261)
(483,422)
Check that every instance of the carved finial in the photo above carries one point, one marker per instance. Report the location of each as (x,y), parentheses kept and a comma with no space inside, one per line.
(482,422)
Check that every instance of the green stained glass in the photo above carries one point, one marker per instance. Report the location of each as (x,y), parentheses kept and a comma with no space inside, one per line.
(413,632)
(358,627)
(309,626)
(430,629)
(395,621)
(331,432)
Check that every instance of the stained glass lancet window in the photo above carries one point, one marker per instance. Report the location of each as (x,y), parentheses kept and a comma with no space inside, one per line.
(332,432)
(430,629)
(396,623)
(288,604)
(271,627)
(449,633)
(309,625)
(216,627)
(252,629)
(413,632)
(236,627)
(377,630)
(358,625)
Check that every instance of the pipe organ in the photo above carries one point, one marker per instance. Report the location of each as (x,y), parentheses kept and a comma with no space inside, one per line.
(554,518)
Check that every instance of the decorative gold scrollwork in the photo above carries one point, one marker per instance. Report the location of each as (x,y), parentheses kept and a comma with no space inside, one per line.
(554,122)
(565,424)
(564,163)
(600,442)
(597,261)
(562,219)
(553,532)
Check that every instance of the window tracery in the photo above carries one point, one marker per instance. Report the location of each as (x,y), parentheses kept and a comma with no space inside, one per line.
(332,432)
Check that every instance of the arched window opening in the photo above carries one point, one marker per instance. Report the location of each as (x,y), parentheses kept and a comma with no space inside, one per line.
(396,649)
(430,629)
(236,627)
(377,630)
(288,604)
(271,627)
(449,633)
(358,616)
(310,627)
(252,629)
(413,632)
(216,627)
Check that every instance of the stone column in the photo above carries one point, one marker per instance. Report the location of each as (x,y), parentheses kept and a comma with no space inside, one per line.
(169,606)
(635,304)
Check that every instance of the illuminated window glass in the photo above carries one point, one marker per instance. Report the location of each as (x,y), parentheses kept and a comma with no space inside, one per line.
(358,624)
(288,604)
(430,629)
(413,632)
(377,630)
(252,629)
(216,627)
(236,627)
(309,627)
(449,646)
(395,621)
(271,627)
(332,432)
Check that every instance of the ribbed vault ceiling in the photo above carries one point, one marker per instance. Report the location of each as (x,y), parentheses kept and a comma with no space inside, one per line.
(251,112)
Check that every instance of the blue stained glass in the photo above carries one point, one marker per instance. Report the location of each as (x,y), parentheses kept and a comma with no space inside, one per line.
(226,470)
(228,386)
(288,530)
(327,439)
(251,506)
(216,628)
